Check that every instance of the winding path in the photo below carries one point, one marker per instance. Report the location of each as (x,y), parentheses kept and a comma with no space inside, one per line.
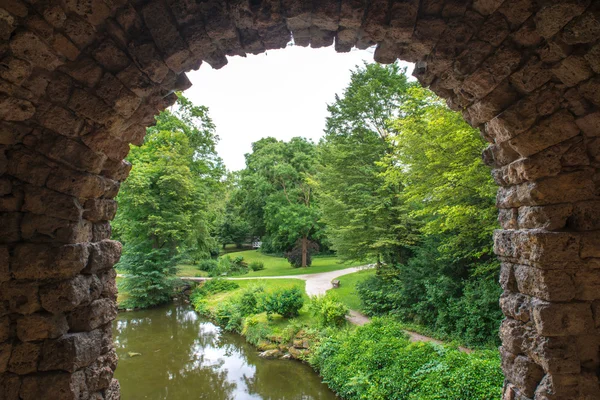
(316,284)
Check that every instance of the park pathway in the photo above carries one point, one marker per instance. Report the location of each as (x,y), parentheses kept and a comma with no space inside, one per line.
(316,284)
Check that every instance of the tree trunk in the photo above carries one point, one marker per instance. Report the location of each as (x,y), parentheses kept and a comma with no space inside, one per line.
(304,250)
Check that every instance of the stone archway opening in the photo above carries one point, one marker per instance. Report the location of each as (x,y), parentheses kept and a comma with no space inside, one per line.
(82,79)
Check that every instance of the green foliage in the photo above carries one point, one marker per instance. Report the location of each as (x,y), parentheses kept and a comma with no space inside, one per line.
(256,266)
(378,362)
(294,256)
(169,202)
(213,286)
(249,300)
(363,212)
(229,315)
(328,310)
(228,266)
(285,302)
(276,193)
(207,264)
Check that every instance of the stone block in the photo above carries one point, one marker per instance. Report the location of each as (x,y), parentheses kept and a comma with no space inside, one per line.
(590,245)
(5,351)
(102,143)
(117,170)
(521,371)
(547,285)
(109,284)
(553,217)
(555,15)
(492,72)
(85,71)
(562,319)
(590,124)
(24,358)
(556,355)
(508,218)
(110,56)
(585,216)
(56,385)
(41,326)
(499,154)
(555,387)
(588,351)
(583,29)
(493,104)
(572,70)
(5,329)
(92,316)
(516,306)
(593,58)
(100,210)
(101,231)
(512,335)
(13,109)
(554,50)
(99,375)
(531,76)
(136,81)
(11,227)
(22,298)
(42,201)
(68,151)
(38,261)
(591,90)
(69,294)
(70,352)
(550,131)
(537,246)
(113,391)
(103,255)
(10,385)
(16,71)
(60,120)
(28,46)
(29,167)
(89,106)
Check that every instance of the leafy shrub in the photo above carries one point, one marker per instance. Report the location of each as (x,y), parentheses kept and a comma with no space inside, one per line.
(328,310)
(285,302)
(254,331)
(248,300)
(208,265)
(229,267)
(229,316)
(377,361)
(256,265)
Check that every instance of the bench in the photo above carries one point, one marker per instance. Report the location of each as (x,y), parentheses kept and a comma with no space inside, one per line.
(335,283)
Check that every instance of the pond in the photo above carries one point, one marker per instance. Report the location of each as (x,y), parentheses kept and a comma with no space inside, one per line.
(182,356)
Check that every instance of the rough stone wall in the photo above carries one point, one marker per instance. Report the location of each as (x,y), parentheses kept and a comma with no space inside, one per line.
(81,79)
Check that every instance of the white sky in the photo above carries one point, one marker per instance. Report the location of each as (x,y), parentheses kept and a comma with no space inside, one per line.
(280,93)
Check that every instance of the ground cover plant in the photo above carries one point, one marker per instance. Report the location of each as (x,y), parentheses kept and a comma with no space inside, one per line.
(378,362)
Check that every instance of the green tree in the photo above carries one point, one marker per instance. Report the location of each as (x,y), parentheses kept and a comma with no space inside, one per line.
(279,200)
(168,205)
(232,227)
(362,210)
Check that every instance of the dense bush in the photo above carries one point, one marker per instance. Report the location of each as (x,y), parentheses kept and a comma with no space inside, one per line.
(377,361)
(285,302)
(249,300)
(328,310)
(227,266)
(439,294)
(229,315)
(256,265)
(208,265)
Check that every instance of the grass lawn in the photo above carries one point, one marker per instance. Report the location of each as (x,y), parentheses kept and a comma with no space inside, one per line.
(278,266)
(190,270)
(346,293)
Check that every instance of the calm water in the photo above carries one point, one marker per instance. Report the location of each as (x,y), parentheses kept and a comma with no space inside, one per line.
(185,357)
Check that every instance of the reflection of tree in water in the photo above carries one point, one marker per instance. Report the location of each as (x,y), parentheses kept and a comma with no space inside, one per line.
(184,358)
(171,364)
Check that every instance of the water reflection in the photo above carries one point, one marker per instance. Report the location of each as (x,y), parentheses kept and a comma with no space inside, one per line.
(186,357)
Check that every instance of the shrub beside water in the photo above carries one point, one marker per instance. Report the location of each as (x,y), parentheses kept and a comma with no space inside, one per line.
(285,302)
(329,311)
(378,361)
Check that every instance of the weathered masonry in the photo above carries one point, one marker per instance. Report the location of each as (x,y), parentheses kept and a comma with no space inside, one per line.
(81,79)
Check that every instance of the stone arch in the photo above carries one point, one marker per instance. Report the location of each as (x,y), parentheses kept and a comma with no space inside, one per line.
(81,79)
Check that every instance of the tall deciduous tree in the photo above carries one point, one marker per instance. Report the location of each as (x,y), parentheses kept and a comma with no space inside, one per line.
(168,203)
(279,198)
(362,211)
